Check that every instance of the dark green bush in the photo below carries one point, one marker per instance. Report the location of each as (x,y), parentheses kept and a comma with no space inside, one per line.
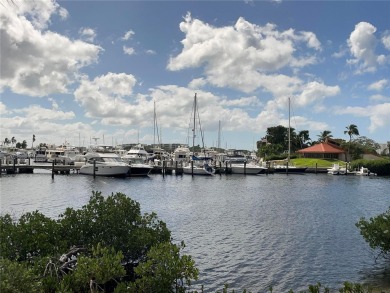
(381,167)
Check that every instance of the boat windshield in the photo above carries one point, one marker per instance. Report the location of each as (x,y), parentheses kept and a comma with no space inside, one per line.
(136,160)
(100,160)
(111,160)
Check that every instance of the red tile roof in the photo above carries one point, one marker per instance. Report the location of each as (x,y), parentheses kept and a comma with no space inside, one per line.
(323,148)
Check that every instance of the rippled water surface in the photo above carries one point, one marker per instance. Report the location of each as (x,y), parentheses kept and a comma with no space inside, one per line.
(248,231)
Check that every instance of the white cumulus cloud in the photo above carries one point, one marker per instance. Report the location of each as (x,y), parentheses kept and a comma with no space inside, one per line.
(238,56)
(386,40)
(362,44)
(34,61)
(378,115)
(378,85)
(128,50)
(87,34)
(105,95)
(128,35)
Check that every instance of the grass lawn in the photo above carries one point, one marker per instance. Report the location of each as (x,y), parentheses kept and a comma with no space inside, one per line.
(311,163)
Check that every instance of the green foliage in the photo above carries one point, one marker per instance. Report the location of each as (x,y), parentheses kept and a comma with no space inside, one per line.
(112,229)
(369,146)
(103,266)
(115,222)
(270,151)
(355,288)
(277,135)
(274,145)
(359,146)
(304,139)
(376,232)
(355,150)
(352,130)
(16,277)
(381,166)
(324,135)
(165,270)
(34,235)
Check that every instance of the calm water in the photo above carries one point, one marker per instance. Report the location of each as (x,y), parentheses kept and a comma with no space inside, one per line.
(248,231)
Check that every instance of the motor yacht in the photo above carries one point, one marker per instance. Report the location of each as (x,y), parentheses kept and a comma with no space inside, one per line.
(103,161)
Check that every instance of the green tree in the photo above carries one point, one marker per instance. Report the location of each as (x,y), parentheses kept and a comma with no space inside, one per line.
(324,135)
(278,135)
(351,131)
(165,270)
(17,277)
(304,137)
(368,145)
(102,266)
(114,235)
(115,221)
(376,231)
(6,141)
(13,141)
(270,150)
(33,235)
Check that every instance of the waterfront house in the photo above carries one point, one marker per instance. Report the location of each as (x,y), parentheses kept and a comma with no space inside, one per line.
(324,150)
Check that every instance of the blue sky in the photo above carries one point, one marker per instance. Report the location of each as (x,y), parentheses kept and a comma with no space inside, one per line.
(73,70)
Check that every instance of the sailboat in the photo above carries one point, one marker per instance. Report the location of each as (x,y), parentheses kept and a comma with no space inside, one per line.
(288,168)
(197,166)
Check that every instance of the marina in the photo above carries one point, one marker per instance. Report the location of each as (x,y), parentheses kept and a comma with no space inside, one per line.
(165,167)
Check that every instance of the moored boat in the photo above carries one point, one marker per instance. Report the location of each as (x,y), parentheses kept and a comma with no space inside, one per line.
(198,165)
(336,170)
(102,161)
(138,167)
(363,171)
(246,168)
(289,169)
(201,167)
(137,158)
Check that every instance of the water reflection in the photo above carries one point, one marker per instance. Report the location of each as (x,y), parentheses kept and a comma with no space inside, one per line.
(248,231)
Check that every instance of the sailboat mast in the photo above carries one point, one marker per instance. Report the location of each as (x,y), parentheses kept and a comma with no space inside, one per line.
(289,132)
(193,130)
(154,123)
(219,134)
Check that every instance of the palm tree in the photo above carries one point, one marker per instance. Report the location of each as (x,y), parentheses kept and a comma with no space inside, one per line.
(304,137)
(13,140)
(323,136)
(351,131)
(6,141)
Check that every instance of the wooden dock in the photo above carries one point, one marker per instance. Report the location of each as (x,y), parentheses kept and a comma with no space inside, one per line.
(29,168)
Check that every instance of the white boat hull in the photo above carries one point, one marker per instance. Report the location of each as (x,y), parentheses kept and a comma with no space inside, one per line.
(197,171)
(248,169)
(104,170)
(337,170)
(364,172)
